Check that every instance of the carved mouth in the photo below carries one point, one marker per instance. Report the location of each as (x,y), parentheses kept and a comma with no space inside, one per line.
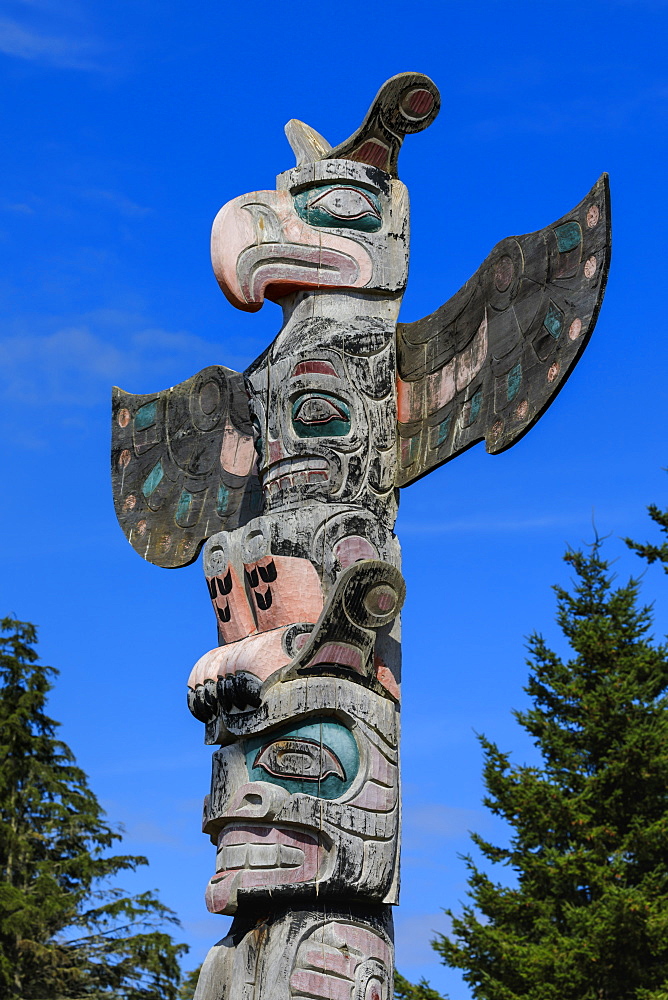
(245,847)
(290,472)
(293,264)
(252,856)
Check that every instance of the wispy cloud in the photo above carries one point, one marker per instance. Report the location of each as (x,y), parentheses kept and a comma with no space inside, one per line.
(114,199)
(70,365)
(19,208)
(61,50)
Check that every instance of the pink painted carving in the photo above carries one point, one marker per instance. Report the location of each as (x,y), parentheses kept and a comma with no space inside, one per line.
(232,605)
(470,361)
(260,248)
(409,400)
(385,676)
(260,654)
(237,452)
(353,547)
(593,215)
(590,267)
(342,961)
(295,595)
(252,855)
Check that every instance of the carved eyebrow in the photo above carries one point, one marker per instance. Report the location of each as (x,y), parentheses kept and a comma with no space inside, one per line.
(314,368)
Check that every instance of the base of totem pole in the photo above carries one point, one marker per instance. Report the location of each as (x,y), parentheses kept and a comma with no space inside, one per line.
(324,952)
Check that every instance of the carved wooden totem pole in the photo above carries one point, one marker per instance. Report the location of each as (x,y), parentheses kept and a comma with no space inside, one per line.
(289,473)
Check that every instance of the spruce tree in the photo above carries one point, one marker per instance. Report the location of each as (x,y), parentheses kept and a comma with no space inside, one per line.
(587,917)
(650,551)
(65,930)
(405,990)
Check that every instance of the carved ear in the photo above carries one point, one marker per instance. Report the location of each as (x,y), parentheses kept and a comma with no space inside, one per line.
(307,144)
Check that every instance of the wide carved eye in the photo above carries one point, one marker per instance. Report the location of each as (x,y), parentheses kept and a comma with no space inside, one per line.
(345,203)
(300,759)
(317,414)
(343,206)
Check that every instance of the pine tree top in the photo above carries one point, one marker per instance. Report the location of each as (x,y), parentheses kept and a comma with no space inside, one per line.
(65,929)
(587,917)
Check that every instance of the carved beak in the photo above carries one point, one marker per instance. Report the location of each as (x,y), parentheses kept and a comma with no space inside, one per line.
(260,248)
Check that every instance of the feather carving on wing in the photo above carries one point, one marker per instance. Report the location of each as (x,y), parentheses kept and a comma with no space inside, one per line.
(183,464)
(490,361)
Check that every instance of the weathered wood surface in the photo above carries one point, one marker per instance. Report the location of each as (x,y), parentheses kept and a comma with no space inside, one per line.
(330,952)
(183,464)
(488,363)
(289,474)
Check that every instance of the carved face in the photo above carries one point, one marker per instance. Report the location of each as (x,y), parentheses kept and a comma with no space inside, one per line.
(331,224)
(325,415)
(306,802)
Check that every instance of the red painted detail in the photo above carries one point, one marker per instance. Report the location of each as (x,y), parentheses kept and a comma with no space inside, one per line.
(420,102)
(276,452)
(317,984)
(341,653)
(327,960)
(385,677)
(314,368)
(373,152)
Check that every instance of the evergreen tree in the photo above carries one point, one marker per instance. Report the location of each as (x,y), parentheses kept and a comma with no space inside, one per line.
(403,990)
(650,552)
(588,916)
(189,984)
(64,932)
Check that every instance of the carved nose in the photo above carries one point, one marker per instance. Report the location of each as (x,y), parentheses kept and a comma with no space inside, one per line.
(256,800)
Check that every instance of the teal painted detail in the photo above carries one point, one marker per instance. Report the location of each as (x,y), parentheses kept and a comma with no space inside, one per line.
(222,499)
(318,414)
(145,415)
(330,741)
(183,506)
(568,236)
(340,206)
(514,381)
(554,320)
(443,430)
(476,403)
(153,479)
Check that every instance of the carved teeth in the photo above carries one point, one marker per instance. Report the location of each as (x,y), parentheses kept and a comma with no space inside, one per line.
(237,856)
(297,472)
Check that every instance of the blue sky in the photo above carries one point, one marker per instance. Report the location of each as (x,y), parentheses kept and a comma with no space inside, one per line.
(125,127)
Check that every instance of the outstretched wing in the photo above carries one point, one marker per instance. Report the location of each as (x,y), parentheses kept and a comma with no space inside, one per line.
(489,362)
(183,464)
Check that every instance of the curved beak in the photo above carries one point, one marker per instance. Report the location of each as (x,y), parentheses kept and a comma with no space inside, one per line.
(260,248)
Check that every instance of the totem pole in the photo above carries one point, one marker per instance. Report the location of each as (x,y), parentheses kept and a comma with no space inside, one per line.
(289,476)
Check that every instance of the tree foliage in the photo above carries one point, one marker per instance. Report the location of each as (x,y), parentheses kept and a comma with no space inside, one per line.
(404,990)
(649,551)
(65,931)
(587,917)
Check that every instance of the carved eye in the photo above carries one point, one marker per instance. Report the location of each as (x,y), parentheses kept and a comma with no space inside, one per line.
(345,203)
(341,206)
(304,760)
(317,414)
